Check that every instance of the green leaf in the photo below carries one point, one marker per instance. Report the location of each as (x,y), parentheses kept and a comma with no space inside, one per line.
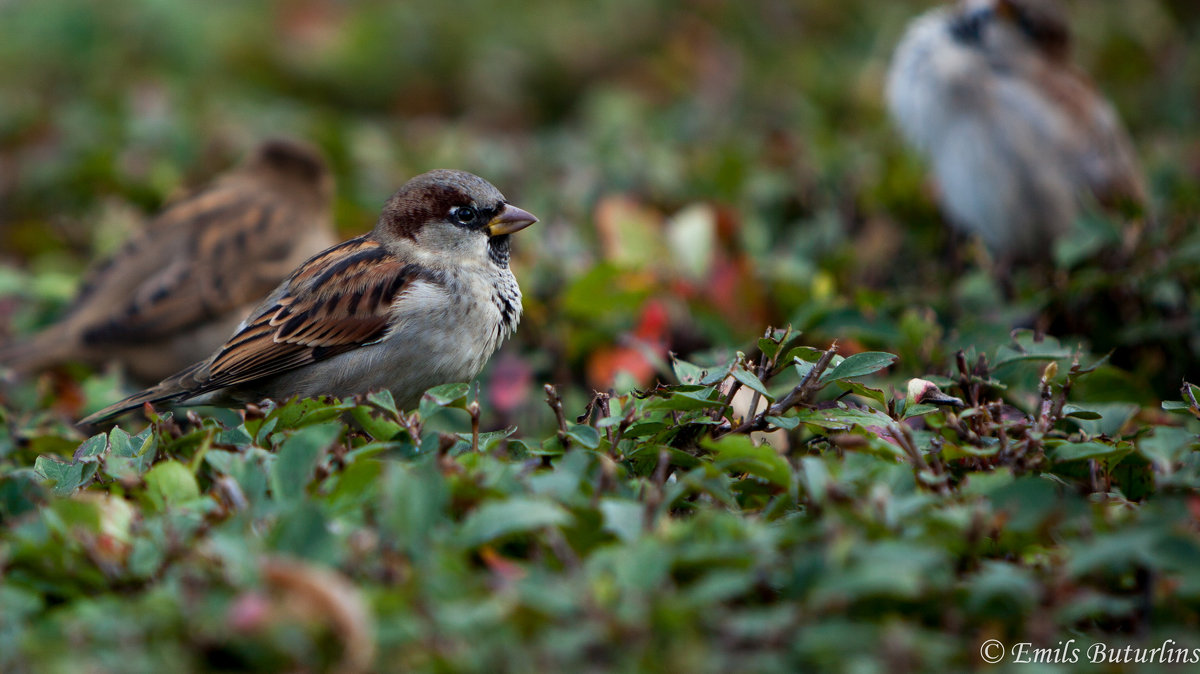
(917,409)
(858,365)
(863,390)
(752,382)
(1080,413)
(768,346)
(63,477)
(92,448)
(384,400)
(842,418)
(686,400)
(375,426)
(170,483)
(1167,447)
(806,354)
(129,457)
(449,395)
(623,518)
(293,468)
(120,443)
(738,453)
(1076,451)
(686,372)
(584,435)
(497,519)
(445,396)
(786,423)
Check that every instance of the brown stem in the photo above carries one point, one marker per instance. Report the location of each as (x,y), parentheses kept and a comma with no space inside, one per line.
(555,403)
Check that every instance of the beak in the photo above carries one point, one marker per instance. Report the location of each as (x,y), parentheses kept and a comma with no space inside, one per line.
(923,391)
(509,220)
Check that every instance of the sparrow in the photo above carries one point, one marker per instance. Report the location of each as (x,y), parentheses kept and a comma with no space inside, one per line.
(423,299)
(176,290)
(1018,138)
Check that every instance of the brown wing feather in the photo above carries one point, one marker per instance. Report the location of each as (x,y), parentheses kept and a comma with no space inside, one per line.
(337,302)
(215,278)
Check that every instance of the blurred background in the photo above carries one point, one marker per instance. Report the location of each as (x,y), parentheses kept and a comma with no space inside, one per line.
(702,169)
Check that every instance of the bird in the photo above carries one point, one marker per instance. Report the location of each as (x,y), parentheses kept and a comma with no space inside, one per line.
(422,299)
(178,288)
(1019,140)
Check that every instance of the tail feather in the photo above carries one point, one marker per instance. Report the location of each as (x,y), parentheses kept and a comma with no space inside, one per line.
(176,388)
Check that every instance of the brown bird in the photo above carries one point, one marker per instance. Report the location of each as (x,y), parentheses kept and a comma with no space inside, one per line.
(423,299)
(178,289)
(1019,139)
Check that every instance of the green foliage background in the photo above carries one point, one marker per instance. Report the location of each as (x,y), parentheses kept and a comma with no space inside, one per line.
(703,170)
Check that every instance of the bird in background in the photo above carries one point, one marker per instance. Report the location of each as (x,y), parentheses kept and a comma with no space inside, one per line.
(423,299)
(1019,140)
(180,286)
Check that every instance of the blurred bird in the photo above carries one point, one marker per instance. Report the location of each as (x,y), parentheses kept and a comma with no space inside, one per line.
(178,289)
(423,299)
(1019,139)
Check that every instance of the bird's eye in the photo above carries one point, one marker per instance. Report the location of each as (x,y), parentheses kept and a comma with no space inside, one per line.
(464,214)
(968,27)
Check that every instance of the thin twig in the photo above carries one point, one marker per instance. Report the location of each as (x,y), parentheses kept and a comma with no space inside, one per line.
(555,403)
(473,410)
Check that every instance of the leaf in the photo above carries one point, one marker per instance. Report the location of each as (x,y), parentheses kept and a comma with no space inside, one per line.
(863,390)
(1076,451)
(815,476)
(92,448)
(584,435)
(858,365)
(686,400)
(293,467)
(129,457)
(686,372)
(768,346)
(497,519)
(298,413)
(119,442)
(384,400)
(63,477)
(842,418)
(738,453)
(171,483)
(1080,413)
(786,423)
(622,518)
(491,439)
(375,426)
(1167,447)
(917,409)
(806,354)
(447,395)
(752,382)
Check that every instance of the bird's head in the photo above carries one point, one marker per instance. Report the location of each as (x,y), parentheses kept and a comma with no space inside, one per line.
(447,215)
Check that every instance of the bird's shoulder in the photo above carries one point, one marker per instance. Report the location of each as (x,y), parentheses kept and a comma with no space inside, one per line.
(340,300)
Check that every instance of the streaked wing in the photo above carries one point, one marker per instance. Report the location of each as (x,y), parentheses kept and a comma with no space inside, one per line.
(218,242)
(339,301)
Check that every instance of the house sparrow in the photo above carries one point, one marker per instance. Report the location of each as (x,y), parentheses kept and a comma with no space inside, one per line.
(1019,139)
(421,300)
(175,291)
